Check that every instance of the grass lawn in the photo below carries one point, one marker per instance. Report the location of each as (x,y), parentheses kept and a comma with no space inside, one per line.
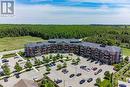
(126,51)
(12,43)
(105,83)
(9,55)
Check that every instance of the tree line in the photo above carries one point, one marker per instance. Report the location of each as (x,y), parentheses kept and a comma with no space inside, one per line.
(110,35)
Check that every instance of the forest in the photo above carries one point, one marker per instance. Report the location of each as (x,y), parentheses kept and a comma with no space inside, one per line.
(118,35)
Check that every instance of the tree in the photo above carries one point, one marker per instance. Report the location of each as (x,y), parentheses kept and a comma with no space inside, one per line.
(67,57)
(78,59)
(48,69)
(17,67)
(98,82)
(64,65)
(6,69)
(37,62)
(111,79)
(1,85)
(28,65)
(58,55)
(54,58)
(126,59)
(61,56)
(47,83)
(59,66)
(73,61)
(107,75)
(46,60)
(50,56)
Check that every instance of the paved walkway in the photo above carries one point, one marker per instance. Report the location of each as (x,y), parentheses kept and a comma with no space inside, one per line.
(21,57)
(13,51)
(25,61)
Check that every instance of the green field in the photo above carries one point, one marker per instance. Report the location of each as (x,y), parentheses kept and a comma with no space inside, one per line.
(126,51)
(12,43)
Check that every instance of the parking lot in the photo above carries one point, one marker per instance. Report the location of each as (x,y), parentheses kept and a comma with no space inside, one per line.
(30,75)
(86,69)
(85,73)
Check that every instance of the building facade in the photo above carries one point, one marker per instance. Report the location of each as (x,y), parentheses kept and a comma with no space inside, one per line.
(103,53)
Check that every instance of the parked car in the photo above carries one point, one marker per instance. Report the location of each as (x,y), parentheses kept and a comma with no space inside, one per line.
(89,80)
(95,68)
(17,75)
(52,64)
(57,81)
(72,75)
(6,79)
(87,69)
(100,70)
(92,60)
(35,78)
(69,86)
(20,60)
(95,73)
(79,74)
(122,85)
(82,81)
(5,60)
(16,57)
(70,54)
(88,59)
(96,62)
(83,67)
(65,71)
(101,63)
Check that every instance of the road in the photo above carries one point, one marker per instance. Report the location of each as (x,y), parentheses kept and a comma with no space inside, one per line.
(9,52)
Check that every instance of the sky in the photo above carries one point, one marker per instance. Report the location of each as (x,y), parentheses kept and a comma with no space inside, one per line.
(69,12)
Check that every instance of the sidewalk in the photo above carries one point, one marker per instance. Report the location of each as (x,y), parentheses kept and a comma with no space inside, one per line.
(12,51)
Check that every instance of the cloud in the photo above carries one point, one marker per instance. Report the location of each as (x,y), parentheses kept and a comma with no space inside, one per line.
(40,0)
(51,14)
(103,1)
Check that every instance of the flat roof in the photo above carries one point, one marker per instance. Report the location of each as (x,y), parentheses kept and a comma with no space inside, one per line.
(98,46)
(75,41)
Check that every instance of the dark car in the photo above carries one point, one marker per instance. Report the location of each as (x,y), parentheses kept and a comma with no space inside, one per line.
(52,64)
(65,71)
(69,86)
(72,75)
(20,60)
(58,81)
(89,80)
(5,79)
(16,57)
(95,73)
(95,68)
(17,75)
(101,63)
(5,60)
(79,74)
(100,70)
(122,85)
(88,59)
(96,62)
(83,67)
(92,60)
(82,81)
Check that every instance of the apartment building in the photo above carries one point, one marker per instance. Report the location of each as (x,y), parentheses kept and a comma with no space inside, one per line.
(103,53)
